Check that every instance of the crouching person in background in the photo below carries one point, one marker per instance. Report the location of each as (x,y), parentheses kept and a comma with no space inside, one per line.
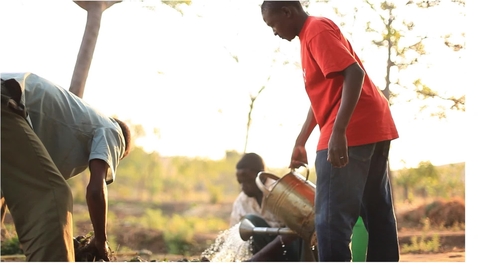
(248,204)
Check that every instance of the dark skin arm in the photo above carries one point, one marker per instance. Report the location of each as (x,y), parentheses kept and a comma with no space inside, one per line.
(97,201)
(353,82)
(299,154)
(4,209)
(271,250)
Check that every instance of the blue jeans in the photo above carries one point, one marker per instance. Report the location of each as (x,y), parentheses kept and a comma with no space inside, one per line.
(361,188)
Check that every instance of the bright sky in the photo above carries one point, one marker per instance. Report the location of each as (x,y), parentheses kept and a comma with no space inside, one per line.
(175,73)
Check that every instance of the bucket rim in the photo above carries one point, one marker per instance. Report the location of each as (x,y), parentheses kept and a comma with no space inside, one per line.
(261,174)
(261,179)
(272,176)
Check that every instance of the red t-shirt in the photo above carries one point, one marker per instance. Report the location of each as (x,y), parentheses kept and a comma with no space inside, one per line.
(324,52)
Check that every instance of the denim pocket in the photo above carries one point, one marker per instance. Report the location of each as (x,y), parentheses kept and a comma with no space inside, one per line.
(362,153)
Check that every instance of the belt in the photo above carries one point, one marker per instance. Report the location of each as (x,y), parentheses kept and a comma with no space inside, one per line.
(11,97)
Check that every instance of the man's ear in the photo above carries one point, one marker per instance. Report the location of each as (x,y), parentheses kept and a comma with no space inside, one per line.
(287,11)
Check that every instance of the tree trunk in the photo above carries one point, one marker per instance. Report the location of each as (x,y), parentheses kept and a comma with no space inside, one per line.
(85,55)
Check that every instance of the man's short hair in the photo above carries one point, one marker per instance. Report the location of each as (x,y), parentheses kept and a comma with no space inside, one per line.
(127,136)
(251,161)
(276,5)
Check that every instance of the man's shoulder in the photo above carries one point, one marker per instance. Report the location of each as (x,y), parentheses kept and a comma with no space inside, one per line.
(322,23)
(317,26)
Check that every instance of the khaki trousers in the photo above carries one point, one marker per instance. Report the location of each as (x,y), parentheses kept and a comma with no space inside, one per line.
(38,197)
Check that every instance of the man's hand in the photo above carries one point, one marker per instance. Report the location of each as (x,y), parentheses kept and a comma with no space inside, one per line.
(274,250)
(338,150)
(299,157)
(100,249)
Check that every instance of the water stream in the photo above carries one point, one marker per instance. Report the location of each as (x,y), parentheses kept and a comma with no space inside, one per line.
(229,247)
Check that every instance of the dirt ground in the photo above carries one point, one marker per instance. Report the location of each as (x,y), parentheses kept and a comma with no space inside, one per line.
(150,244)
(453,256)
(456,256)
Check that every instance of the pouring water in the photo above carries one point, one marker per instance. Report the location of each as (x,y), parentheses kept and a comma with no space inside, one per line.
(229,247)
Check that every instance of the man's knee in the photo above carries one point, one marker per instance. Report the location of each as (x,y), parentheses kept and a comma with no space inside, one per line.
(256,220)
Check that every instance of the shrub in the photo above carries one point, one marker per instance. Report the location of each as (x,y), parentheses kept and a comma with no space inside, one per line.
(11,246)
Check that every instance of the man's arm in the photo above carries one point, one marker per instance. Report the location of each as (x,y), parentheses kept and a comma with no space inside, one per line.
(270,251)
(352,88)
(299,155)
(97,201)
(307,128)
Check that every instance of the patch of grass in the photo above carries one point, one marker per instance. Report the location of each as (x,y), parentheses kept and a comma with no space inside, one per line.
(421,244)
(179,235)
(178,230)
(456,227)
(11,246)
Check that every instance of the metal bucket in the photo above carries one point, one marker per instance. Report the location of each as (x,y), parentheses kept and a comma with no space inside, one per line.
(291,198)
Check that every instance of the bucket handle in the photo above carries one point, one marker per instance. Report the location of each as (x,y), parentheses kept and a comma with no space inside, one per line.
(306,167)
(260,185)
(263,188)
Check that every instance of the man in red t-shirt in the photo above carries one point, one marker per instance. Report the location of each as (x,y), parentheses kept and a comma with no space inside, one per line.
(356,127)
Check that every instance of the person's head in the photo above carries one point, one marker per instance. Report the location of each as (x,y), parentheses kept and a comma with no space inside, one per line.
(246,172)
(286,18)
(127,137)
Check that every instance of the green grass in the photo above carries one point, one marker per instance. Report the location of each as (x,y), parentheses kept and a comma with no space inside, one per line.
(178,230)
(423,244)
(11,246)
